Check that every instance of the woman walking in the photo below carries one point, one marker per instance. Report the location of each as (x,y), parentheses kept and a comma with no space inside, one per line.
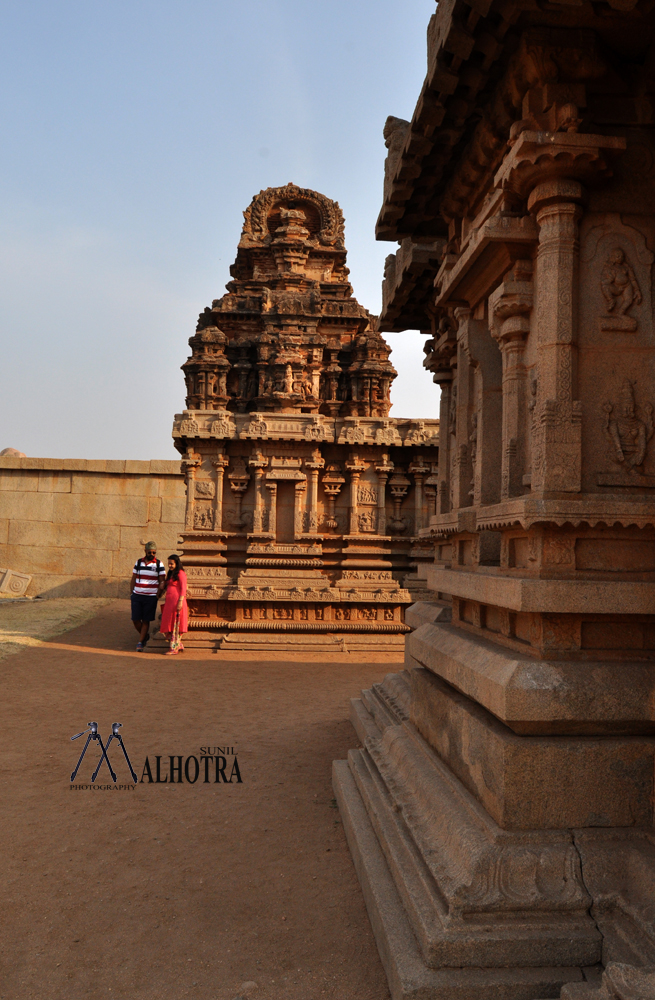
(175,616)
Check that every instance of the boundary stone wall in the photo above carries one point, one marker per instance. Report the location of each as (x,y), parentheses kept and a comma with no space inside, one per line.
(77,525)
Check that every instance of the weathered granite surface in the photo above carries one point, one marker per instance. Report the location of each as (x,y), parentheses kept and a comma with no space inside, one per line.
(522,196)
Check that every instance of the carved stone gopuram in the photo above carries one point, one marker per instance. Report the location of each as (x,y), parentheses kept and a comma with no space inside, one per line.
(500,814)
(304,498)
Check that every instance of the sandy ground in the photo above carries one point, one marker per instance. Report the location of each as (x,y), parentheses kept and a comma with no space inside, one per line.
(174,890)
(28,623)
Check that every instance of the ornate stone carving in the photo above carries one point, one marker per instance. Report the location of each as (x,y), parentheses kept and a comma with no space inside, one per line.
(189,427)
(627,435)
(256,216)
(222,428)
(620,290)
(203,517)
(366,495)
(367,520)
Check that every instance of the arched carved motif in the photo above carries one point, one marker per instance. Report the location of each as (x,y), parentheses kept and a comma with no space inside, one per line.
(255,229)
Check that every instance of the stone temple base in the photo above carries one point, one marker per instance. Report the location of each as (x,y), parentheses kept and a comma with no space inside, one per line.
(460,906)
(264,645)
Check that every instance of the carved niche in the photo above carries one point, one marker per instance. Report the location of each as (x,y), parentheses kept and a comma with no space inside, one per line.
(616,275)
(628,437)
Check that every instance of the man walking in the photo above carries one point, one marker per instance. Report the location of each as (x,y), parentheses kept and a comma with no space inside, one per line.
(148,577)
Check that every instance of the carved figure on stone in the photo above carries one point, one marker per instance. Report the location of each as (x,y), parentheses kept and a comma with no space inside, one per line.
(221,428)
(627,434)
(366,520)
(366,494)
(203,518)
(189,427)
(355,434)
(618,284)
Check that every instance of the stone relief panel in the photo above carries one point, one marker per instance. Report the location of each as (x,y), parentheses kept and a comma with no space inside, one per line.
(203,517)
(628,432)
(615,278)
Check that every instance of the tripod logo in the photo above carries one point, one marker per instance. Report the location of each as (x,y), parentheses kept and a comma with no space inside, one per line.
(95,735)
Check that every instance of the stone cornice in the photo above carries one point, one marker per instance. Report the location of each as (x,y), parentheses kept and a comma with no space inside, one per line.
(441,160)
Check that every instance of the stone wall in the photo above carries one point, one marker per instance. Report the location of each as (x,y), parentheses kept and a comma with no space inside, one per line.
(78,525)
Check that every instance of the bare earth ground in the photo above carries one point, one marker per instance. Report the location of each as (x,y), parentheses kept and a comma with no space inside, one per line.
(168,891)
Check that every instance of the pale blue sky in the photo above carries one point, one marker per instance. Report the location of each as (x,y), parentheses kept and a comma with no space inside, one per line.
(134,134)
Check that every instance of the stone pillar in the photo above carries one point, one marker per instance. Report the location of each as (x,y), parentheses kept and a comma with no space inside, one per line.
(355,467)
(383,470)
(220,463)
(419,470)
(190,464)
(298,512)
(557,450)
(509,308)
(461,472)
(258,463)
(315,465)
(445,383)
(272,507)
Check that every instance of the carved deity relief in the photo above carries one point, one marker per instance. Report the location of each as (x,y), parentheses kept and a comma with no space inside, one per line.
(628,435)
(203,518)
(367,520)
(620,290)
(615,276)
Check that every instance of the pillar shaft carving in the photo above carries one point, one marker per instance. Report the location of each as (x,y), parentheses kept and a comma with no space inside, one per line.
(557,450)
(258,463)
(509,307)
(190,464)
(220,463)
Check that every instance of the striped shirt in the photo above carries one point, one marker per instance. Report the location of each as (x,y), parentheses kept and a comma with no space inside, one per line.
(148,577)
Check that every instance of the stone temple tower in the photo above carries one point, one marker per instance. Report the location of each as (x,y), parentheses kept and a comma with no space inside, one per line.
(304,497)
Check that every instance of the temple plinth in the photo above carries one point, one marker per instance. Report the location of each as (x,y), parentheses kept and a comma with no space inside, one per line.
(305,499)
(501,812)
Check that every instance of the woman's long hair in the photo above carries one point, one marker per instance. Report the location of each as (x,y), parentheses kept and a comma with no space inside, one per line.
(174,573)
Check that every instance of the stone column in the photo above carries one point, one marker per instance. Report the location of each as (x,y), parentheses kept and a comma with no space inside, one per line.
(272,508)
(461,472)
(509,308)
(189,465)
(441,360)
(315,465)
(419,470)
(258,463)
(445,383)
(557,450)
(355,467)
(383,470)
(220,463)
(298,512)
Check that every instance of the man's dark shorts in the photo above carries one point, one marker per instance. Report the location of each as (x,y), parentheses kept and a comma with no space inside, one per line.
(144,609)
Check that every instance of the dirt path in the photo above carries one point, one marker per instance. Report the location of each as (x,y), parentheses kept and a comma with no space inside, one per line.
(174,890)
(28,623)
